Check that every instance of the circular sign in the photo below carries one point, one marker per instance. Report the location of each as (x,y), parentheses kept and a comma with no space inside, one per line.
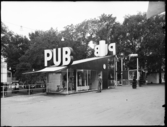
(104,66)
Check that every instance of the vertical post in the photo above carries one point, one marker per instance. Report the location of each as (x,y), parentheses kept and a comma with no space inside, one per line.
(121,71)
(116,71)
(137,69)
(29,89)
(67,80)
(101,80)
(76,81)
(3,91)
(87,80)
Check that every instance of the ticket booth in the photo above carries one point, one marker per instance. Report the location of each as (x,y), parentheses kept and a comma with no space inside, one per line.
(80,76)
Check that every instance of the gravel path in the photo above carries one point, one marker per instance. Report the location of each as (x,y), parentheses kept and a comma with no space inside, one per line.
(120,106)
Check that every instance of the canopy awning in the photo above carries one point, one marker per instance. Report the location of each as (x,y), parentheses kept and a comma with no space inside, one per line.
(85,60)
(47,69)
(77,62)
(52,69)
(31,72)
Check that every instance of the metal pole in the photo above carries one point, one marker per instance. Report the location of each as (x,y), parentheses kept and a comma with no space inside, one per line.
(121,71)
(76,81)
(116,71)
(87,80)
(3,91)
(67,80)
(29,89)
(137,69)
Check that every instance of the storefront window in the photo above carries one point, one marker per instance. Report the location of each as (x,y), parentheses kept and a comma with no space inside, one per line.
(80,78)
(77,80)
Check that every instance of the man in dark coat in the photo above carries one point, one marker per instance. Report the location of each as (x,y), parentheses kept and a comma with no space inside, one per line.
(99,83)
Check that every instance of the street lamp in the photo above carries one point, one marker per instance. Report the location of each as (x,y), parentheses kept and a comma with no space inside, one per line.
(116,60)
(121,56)
(135,55)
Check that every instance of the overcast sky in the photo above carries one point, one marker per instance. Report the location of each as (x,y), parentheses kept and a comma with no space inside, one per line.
(25,17)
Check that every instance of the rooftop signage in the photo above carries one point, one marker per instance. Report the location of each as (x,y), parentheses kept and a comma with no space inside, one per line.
(103,48)
(61,56)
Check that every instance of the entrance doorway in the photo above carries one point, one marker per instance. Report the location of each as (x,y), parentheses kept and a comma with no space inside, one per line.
(86,80)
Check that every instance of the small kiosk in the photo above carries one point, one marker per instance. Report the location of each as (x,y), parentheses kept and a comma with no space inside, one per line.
(79,75)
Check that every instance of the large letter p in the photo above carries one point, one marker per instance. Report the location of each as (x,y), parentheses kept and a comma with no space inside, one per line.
(46,57)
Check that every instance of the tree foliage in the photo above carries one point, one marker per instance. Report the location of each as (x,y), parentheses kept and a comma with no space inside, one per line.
(136,35)
(12,47)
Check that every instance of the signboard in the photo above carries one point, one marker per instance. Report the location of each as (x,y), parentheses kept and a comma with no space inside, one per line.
(61,56)
(103,48)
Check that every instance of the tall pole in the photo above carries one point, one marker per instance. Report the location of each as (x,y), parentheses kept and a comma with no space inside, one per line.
(67,80)
(76,81)
(137,69)
(3,91)
(87,80)
(29,89)
(121,71)
(116,70)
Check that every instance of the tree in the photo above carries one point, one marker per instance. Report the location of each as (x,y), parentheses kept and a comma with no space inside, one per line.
(5,38)
(77,38)
(156,44)
(146,38)
(12,47)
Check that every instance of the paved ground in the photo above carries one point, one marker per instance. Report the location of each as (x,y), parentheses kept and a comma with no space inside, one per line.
(120,106)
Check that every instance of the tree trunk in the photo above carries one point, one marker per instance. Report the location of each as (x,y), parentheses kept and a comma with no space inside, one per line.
(160,79)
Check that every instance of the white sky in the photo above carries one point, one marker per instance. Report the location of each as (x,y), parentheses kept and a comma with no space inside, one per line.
(44,15)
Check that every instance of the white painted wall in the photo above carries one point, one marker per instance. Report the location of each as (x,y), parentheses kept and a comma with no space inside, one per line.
(54,79)
(4,72)
(154,78)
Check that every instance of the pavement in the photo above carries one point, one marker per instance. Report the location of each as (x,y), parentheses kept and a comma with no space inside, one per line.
(120,106)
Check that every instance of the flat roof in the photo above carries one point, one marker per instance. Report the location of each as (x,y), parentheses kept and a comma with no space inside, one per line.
(55,68)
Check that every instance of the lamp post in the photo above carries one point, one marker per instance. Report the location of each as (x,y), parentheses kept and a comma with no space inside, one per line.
(121,56)
(116,60)
(136,55)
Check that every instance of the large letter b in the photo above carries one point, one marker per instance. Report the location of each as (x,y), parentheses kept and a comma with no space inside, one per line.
(97,51)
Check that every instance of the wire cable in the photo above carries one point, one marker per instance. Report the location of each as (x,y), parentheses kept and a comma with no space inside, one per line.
(19,25)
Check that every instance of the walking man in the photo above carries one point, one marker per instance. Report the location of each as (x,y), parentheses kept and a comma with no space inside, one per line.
(99,83)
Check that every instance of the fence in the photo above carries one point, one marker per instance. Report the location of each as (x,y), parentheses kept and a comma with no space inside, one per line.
(29,89)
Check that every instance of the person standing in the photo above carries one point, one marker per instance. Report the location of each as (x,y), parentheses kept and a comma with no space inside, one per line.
(80,80)
(99,83)
(5,89)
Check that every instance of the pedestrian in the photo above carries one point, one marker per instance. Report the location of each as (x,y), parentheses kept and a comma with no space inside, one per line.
(17,87)
(134,82)
(99,83)
(5,89)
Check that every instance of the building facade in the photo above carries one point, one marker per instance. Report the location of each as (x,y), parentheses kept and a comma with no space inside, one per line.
(81,75)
